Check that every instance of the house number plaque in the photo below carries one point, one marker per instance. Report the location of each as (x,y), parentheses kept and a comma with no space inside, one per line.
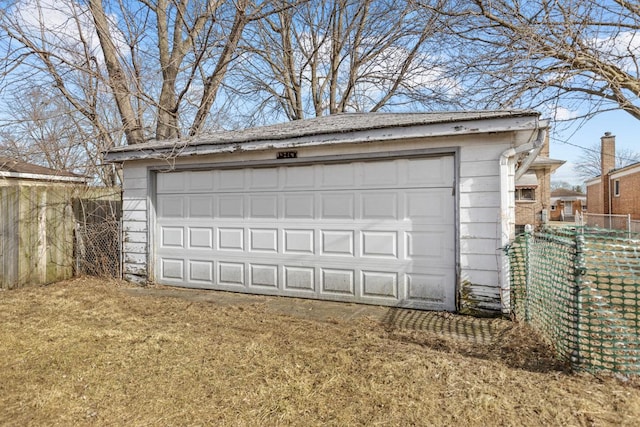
(287,155)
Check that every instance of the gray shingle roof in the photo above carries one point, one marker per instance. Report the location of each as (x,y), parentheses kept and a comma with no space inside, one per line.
(333,124)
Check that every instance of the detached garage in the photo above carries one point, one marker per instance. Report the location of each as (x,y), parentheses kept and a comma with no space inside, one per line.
(406,210)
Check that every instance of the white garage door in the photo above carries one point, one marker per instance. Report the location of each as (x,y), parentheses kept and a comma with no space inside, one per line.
(378,232)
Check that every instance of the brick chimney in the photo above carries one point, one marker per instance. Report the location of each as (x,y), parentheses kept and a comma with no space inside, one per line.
(608,163)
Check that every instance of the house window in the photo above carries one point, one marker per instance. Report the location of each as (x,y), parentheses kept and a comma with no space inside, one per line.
(553,208)
(616,187)
(525,194)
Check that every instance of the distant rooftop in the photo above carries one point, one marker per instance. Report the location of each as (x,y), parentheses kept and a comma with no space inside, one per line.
(565,192)
(12,168)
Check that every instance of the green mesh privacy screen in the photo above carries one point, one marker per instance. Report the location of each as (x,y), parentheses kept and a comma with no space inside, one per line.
(580,288)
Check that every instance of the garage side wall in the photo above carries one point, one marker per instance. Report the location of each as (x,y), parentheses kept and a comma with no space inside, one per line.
(135,222)
(481,224)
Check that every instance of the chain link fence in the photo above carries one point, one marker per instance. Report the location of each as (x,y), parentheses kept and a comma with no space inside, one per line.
(608,221)
(580,288)
(98,237)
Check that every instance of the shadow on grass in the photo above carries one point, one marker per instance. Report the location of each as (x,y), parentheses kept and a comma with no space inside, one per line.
(514,344)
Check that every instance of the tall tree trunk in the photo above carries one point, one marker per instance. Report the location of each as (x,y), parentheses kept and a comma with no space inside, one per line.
(213,82)
(117,76)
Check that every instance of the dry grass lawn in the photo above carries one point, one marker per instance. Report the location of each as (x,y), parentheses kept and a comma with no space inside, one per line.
(88,352)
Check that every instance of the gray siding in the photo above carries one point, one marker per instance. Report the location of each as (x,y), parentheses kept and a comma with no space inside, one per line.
(135,223)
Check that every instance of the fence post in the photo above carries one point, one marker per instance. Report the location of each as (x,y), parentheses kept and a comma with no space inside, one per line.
(628,226)
(579,269)
(528,240)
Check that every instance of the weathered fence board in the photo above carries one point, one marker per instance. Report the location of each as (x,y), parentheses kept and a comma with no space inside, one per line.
(9,197)
(37,226)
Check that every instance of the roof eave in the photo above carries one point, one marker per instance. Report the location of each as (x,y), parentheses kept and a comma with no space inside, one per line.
(43,177)
(629,169)
(568,198)
(454,128)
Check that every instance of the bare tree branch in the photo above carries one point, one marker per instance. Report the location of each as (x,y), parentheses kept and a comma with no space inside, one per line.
(526,53)
(333,56)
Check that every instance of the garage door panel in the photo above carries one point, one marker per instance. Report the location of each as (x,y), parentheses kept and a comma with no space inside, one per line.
(337,242)
(263,240)
(172,237)
(427,287)
(380,174)
(379,284)
(264,206)
(199,181)
(379,244)
(435,170)
(337,281)
(226,180)
(171,207)
(371,232)
(200,206)
(231,273)
(299,278)
(339,206)
(429,245)
(264,178)
(170,182)
(299,177)
(200,238)
(298,241)
(230,239)
(298,206)
(201,271)
(263,275)
(379,205)
(337,176)
(230,206)
(172,269)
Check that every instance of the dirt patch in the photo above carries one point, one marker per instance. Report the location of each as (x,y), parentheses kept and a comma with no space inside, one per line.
(88,352)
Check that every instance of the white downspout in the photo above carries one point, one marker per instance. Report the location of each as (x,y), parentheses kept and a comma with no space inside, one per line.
(507,185)
(507,203)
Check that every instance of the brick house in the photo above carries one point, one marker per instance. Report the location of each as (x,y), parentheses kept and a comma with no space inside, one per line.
(533,190)
(565,203)
(615,191)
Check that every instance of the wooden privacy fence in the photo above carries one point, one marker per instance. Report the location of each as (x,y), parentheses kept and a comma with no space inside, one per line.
(37,230)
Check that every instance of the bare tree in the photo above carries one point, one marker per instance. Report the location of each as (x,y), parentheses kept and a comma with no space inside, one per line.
(589,163)
(44,129)
(580,55)
(163,62)
(331,56)
(556,185)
